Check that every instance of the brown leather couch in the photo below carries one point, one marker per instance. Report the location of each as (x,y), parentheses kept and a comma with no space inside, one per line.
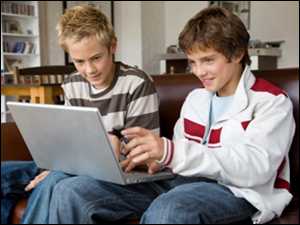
(172,90)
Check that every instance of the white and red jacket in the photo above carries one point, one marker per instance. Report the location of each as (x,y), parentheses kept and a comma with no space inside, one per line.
(247,148)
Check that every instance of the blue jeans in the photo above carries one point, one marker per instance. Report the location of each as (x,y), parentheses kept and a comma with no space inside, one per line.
(37,211)
(14,178)
(81,199)
(15,175)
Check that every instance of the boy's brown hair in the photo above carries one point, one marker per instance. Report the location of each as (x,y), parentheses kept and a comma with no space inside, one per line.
(84,21)
(219,29)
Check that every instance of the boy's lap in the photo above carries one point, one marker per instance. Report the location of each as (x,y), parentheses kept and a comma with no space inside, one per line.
(15,175)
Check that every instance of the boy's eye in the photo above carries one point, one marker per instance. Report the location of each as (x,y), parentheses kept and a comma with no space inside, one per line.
(191,62)
(97,57)
(209,60)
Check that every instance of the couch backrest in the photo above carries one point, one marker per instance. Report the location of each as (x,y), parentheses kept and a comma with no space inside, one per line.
(13,146)
(172,90)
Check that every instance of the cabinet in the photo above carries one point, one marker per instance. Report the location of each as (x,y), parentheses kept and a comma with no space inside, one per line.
(261,59)
(20,39)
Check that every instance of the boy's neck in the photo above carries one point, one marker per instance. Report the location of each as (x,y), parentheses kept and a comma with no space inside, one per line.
(231,88)
(109,80)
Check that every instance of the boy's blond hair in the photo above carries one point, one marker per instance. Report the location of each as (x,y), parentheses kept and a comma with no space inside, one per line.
(84,21)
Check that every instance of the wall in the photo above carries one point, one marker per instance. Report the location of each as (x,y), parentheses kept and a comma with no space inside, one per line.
(145,29)
(177,13)
(153,38)
(274,21)
(52,54)
(128,31)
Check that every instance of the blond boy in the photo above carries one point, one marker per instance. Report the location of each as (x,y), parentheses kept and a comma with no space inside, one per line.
(124,95)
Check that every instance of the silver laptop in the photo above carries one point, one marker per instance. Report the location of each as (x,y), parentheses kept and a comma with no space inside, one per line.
(73,140)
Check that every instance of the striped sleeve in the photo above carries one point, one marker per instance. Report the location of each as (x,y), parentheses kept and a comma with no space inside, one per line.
(66,98)
(143,107)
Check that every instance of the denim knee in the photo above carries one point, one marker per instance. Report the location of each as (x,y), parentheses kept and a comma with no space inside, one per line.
(67,203)
(165,209)
(62,188)
(198,203)
(178,206)
(70,189)
(53,178)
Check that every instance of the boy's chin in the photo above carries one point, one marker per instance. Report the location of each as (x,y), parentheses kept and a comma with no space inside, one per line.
(210,89)
(96,83)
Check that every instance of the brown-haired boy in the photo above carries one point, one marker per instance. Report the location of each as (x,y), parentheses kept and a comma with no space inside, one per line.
(236,131)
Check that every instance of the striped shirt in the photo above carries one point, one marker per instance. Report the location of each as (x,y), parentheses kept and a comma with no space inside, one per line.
(130,100)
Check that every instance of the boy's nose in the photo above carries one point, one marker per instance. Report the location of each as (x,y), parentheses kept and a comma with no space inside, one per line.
(199,71)
(90,69)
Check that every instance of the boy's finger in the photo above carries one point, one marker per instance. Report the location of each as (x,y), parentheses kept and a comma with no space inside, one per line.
(135,131)
(30,186)
(36,180)
(154,168)
(124,163)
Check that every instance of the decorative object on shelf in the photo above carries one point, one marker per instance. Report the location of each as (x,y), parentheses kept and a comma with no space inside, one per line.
(12,26)
(11,64)
(256,43)
(173,49)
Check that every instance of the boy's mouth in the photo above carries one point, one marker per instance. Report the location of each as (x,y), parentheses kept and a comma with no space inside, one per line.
(207,82)
(94,78)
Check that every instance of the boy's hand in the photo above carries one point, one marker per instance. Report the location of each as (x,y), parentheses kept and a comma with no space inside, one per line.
(116,144)
(144,148)
(37,180)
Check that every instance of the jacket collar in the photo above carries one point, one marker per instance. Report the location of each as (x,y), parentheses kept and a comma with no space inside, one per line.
(241,98)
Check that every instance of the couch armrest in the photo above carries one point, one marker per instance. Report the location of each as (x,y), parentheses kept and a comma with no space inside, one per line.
(13,146)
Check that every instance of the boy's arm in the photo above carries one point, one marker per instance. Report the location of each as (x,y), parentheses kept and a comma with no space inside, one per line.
(67,102)
(66,98)
(143,108)
(249,161)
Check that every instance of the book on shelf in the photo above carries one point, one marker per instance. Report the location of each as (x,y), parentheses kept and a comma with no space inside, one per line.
(18,47)
(23,47)
(28,48)
(17,8)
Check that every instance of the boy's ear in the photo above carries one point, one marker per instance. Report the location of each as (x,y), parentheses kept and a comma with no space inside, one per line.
(113,47)
(238,57)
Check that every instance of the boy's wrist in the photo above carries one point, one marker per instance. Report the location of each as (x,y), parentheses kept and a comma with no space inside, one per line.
(168,153)
(161,161)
